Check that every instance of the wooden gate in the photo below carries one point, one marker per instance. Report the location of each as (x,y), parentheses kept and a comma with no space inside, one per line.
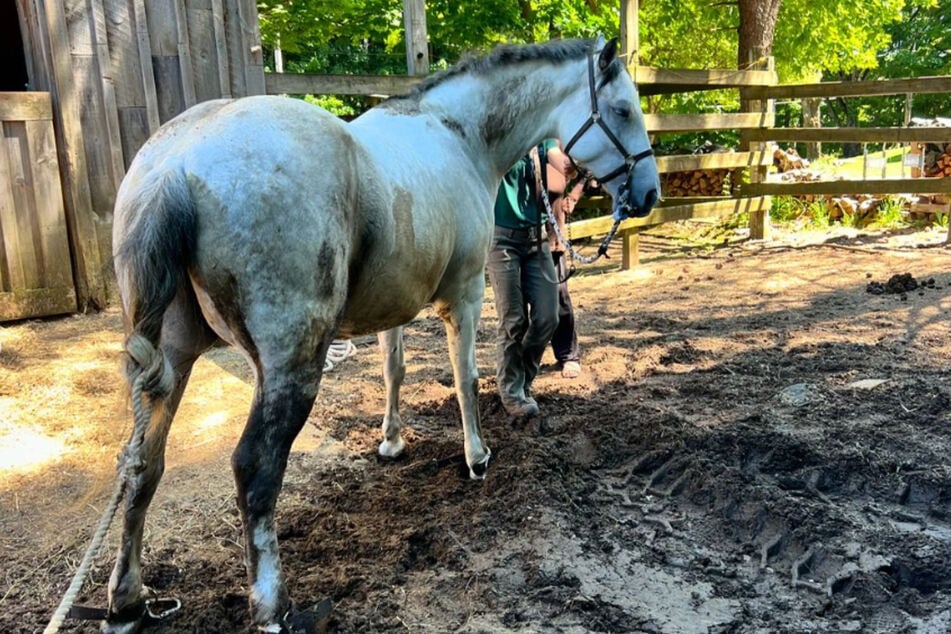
(36,276)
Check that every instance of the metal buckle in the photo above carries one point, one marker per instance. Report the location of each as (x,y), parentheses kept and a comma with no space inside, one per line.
(173,606)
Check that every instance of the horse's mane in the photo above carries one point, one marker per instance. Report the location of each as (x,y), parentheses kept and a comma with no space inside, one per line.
(554,51)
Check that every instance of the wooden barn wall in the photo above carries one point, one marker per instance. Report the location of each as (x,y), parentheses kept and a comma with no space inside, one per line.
(35,272)
(117,69)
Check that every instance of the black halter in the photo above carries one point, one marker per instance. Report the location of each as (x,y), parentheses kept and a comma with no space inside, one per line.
(630,160)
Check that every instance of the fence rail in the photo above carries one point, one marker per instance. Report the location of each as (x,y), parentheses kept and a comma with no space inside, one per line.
(759,88)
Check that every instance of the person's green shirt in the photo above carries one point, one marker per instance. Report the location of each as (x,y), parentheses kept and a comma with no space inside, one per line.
(516,205)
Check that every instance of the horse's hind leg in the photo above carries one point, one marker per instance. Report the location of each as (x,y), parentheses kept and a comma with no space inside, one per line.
(394,369)
(185,335)
(283,399)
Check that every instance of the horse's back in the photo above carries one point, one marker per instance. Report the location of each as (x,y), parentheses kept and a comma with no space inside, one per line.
(272,199)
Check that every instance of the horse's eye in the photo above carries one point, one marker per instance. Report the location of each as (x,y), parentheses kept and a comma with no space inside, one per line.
(622,111)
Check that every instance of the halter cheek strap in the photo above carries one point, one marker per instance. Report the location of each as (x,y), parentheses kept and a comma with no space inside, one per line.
(595,118)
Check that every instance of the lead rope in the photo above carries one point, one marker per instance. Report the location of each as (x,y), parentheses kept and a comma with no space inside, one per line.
(602,249)
(130,460)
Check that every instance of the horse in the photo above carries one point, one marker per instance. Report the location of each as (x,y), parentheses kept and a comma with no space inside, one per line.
(271,225)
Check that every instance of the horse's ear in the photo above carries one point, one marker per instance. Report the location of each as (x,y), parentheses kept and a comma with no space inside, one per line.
(608,54)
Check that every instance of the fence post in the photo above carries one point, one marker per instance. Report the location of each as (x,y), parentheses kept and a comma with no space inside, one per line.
(812,118)
(759,217)
(630,248)
(630,251)
(417,49)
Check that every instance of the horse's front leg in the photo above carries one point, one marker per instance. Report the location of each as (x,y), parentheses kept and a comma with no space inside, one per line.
(461,319)
(394,369)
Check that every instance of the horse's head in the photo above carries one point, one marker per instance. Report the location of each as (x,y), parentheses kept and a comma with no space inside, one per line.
(609,138)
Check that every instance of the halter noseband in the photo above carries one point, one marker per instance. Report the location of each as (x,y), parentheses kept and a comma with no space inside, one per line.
(630,161)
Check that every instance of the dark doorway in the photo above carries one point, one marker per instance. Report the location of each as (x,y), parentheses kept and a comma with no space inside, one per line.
(13,75)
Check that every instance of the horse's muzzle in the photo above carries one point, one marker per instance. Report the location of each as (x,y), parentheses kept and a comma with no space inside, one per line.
(633,201)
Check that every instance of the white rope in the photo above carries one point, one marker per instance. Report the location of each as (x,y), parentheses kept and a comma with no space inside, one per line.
(142,415)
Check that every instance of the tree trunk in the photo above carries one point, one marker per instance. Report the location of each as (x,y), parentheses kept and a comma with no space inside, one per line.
(757,29)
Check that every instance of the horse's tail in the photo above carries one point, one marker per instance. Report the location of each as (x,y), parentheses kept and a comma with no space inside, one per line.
(152,258)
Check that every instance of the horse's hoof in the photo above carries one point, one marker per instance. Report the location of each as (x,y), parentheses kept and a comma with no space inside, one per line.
(392,449)
(311,621)
(479,469)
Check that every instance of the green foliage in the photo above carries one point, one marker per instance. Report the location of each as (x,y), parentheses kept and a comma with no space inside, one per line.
(941,220)
(818,214)
(891,214)
(785,209)
(838,39)
(332,104)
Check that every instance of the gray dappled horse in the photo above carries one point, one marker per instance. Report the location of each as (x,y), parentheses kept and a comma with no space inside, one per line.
(272,225)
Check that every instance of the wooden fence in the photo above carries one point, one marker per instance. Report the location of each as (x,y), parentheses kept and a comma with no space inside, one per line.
(758,88)
(35,270)
(650,81)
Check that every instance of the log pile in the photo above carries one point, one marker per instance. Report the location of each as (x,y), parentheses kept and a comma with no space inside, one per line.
(938,159)
(787,160)
(862,209)
(713,182)
(704,182)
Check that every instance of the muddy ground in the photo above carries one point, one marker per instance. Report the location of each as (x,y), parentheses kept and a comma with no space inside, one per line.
(757,444)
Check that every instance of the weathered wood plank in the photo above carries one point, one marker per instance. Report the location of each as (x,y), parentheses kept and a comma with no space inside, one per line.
(854,135)
(99,166)
(835,188)
(234,37)
(84,243)
(668,123)
(654,81)
(314,84)
(184,54)
(126,76)
(12,273)
(125,80)
(166,63)
(135,125)
(221,48)
(204,53)
(602,225)
(123,51)
(716,160)
(168,83)
(414,34)
(25,106)
(79,27)
(163,28)
(52,238)
(145,64)
(41,302)
(917,85)
(112,141)
(34,58)
(20,172)
(254,68)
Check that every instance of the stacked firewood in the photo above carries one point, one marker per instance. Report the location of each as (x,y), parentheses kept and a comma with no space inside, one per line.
(788,160)
(862,209)
(792,168)
(703,182)
(712,182)
(938,159)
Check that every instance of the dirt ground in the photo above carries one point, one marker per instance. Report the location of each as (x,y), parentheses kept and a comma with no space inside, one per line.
(757,444)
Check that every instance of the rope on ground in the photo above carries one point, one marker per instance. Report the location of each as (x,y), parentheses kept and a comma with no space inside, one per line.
(130,461)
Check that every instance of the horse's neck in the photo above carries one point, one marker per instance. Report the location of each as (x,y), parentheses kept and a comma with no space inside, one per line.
(507,113)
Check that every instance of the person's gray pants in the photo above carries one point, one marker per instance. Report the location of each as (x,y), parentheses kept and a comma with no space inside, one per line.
(526,300)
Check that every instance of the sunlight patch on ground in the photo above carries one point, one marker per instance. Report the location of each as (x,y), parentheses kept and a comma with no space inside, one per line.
(24,450)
